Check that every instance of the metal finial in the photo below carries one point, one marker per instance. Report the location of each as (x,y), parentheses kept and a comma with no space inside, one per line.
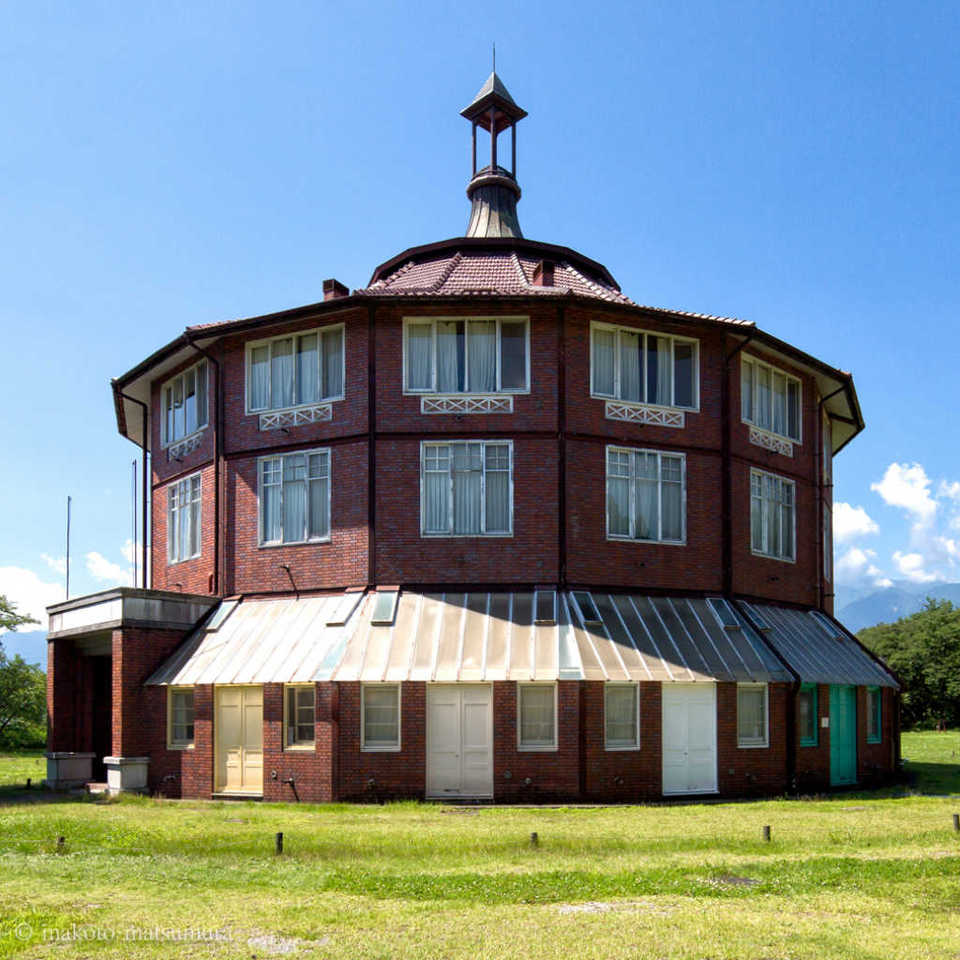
(494,56)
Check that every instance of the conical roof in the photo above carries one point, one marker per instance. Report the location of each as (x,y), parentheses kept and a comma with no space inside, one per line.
(493,93)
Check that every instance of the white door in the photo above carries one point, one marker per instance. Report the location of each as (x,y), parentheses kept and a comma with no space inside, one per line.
(689,737)
(459,740)
(239,720)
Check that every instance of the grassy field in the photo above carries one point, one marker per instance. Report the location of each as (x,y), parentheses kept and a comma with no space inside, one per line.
(855,875)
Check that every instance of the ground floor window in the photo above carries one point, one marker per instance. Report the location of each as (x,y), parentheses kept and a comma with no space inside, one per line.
(380,716)
(621,716)
(752,715)
(300,716)
(180,718)
(874,715)
(807,708)
(537,716)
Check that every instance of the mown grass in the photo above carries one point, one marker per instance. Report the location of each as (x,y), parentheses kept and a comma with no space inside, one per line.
(854,875)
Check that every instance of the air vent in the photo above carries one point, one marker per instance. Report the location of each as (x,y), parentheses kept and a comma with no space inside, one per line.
(588,609)
(384,607)
(545,605)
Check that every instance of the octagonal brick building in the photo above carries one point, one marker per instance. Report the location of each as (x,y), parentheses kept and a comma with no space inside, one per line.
(485,528)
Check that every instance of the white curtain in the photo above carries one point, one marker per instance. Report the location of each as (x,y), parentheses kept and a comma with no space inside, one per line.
(202,394)
(193,549)
(260,378)
(536,716)
(671,496)
(497,483)
(663,394)
(618,493)
(631,366)
(308,369)
(604,354)
(294,498)
(281,374)
(786,518)
(780,404)
(762,412)
(173,526)
(620,712)
(449,357)
(186,533)
(420,356)
(647,497)
(482,356)
(751,719)
(270,499)
(467,477)
(381,715)
(333,363)
(436,489)
(178,425)
(190,402)
(756,513)
(683,369)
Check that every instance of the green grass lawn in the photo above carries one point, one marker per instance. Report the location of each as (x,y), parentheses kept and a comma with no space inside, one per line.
(855,875)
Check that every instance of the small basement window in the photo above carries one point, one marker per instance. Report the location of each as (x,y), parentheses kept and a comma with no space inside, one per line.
(807,709)
(180,718)
(545,604)
(586,606)
(300,716)
(384,607)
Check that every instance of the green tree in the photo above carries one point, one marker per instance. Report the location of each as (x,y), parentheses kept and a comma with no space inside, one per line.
(9,618)
(924,652)
(23,703)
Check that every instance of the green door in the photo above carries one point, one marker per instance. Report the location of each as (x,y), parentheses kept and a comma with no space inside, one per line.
(843,735)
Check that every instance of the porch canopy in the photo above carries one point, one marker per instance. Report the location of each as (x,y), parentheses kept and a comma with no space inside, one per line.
(542,634)
(817,647)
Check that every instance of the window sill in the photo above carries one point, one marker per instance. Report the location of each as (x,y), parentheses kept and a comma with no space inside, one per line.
(293,543)
(178,449)
(770,556)
(465,536)
(301,748)
(753,746)
(624,749)
(809,743)
(630,411)
(320,412)
(613,538)
(537,749)
(180,746)
(176,563)
(386,749)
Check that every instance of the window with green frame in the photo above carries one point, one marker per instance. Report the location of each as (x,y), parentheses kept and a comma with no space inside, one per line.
(874,715)
(807,704)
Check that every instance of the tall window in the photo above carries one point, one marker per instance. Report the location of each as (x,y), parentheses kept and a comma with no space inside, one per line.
(295,370)
(621,716)
(300,716)
(770,398)
(807,708)
(488,355)
(467,488)
(185,404)
(295,497)
(180,718)
(752,714)
(772,516)
(628,364)
(874,715)
(380,716)
(183,519)
(537,716)
(645,495)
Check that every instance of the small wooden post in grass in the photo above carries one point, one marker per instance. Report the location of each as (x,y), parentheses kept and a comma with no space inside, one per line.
(534,840)
(956,821)
(279,843)
(61,844)
(766,834)
(29,782)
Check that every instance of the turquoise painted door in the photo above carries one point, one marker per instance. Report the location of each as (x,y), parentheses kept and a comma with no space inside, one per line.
(843,735)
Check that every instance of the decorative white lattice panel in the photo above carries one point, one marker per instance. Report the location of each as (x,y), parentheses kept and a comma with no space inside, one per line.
(455,404)
(771,442)
(638,413)
(318,413)
(177,451)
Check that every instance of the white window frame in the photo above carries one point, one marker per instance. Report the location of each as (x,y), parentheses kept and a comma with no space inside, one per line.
(432,535)
(766,533)
(536,747)
(380,746)
(202,413)
(757,362)
(750,745)
(172,742)
(261,542)
(617,329)
(621,745)
(173,512)
(298,745)
(251,345)
(660,454)
(433,321)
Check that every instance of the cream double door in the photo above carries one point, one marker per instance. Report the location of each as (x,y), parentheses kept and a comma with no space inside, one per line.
(689,737)
(239,724)
(459,740)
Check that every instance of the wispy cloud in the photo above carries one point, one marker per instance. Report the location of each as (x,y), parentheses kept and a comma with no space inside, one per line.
(31,594)
(100,568)
(912,567)
(851,522)
(56,564)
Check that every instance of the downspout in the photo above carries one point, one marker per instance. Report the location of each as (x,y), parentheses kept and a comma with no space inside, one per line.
(371,446)
(562,450)
(821,501)
(143,446)
(726,477)
(217,457)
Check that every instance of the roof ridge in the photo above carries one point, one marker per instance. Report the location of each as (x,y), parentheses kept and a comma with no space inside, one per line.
(452,264)
(519,266)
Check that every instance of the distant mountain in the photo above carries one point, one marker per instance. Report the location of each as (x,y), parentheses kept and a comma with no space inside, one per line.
(858,608)
(31,646)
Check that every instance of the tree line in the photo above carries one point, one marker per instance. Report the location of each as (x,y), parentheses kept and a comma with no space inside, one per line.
(23,690)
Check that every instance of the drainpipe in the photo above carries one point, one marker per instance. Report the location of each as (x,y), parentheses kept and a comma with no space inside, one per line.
(821,500)
(371,445)
(217,457)
(562,450)
(143,446)
(726,480)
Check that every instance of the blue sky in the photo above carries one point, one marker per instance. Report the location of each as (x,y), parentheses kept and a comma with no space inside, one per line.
(170,164)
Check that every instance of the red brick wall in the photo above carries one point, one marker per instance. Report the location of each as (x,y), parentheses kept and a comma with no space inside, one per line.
(813,763)
(751,771)
(876,761)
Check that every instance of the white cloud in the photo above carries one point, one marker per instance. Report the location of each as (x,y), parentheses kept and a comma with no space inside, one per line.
(950,490)
(911,566)
(856,566)
(100,568)
(850,522)
(56,564)
(127,550)
(908,487)
(30,594)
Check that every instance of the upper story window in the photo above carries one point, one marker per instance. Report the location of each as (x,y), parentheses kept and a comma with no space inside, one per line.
(633,365)
(467,488)
(485,355)
(183,518)
(770,398)
(646,495)
(772,515)
(295,497)
(184,400)
(295,370)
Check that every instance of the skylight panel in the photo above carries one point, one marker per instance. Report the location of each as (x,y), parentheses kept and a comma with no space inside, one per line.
(384,607)
(545,605)
(724,613)
(222,612)
(586,606)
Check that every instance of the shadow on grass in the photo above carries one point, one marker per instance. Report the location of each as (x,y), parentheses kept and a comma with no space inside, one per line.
(934,778)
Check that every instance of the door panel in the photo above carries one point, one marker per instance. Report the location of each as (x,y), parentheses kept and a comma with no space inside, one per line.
(689,738)
(459,741)
(239,724)
(843,735)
